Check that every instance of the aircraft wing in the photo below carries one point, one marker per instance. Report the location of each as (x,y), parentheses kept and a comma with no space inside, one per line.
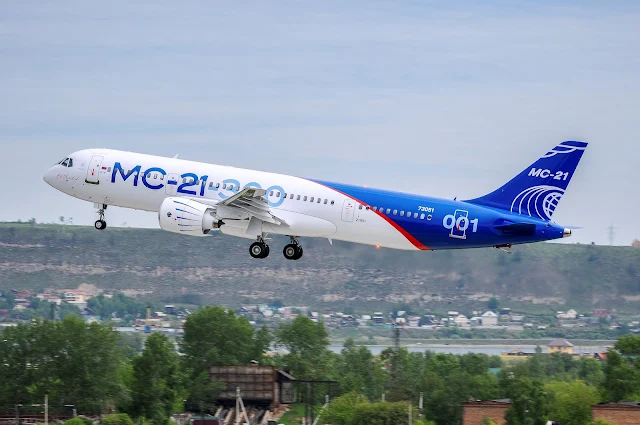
(252,201)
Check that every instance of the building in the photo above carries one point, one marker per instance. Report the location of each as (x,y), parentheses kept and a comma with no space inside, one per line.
(75,297)
(414,321)
(259,385)
(489,318)
(473,412)
(378,318)
(569,315)
(625,413)
(461,321)
(601,313)
(560,346)
(600,356)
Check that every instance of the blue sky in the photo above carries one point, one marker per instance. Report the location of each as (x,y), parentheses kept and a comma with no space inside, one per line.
(439,98)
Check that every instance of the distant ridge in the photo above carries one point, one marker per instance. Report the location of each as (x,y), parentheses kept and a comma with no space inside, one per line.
(218,269)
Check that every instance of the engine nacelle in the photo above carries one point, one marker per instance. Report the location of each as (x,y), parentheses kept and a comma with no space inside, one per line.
(188,217)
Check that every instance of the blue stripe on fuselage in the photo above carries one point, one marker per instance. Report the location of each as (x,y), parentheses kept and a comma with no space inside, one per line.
(432,233)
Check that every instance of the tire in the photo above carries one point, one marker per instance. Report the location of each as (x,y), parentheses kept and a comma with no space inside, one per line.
(100,224)
(290,251)
(299,253)
(258,250)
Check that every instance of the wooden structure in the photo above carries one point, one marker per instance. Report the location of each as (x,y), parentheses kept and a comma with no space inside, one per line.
(259,385)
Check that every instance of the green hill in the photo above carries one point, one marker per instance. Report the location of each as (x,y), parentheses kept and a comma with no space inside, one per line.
(218,269)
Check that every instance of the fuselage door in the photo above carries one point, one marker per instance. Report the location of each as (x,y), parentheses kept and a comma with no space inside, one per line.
(173,180)
(93,171)
(348,210)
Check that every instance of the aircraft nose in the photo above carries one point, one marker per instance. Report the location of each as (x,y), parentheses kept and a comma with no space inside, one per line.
(48,177)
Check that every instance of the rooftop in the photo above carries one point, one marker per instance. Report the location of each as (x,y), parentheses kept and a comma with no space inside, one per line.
(560,343)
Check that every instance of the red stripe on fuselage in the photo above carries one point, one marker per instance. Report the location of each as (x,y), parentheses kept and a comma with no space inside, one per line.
(406,234)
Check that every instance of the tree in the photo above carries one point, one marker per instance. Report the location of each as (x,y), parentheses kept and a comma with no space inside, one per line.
(360,371)
(493,303)
(306,343)
(117,419)
(71,361)
(621,380)
(156,379)
(215,336)
(528,404)
(570,402)
(341,410)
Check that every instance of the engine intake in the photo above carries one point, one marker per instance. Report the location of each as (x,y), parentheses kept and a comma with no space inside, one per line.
(188,217)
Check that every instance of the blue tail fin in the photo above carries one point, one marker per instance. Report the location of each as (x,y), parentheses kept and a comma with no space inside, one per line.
(537,190)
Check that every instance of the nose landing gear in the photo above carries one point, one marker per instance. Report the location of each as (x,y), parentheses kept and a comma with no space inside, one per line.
(101,224)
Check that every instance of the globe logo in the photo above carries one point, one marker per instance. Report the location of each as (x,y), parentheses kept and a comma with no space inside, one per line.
(550,203)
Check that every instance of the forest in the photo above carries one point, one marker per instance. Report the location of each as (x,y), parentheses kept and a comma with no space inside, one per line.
(100,371)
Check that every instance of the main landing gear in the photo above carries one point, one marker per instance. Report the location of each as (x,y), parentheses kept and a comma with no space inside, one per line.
(259,249)
(100,224)
(293,251)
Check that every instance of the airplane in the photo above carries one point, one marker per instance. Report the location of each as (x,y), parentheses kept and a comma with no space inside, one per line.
(195,198)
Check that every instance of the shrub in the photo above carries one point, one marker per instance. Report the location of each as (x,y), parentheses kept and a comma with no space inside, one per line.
(118,419)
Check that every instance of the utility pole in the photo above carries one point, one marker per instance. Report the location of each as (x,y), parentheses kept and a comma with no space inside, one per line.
(612,233)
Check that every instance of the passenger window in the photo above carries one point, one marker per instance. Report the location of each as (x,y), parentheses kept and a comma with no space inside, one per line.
(368,207)
(415,215)
(217,185)
(109,169)
(230,187)
(311,200)
(305,199)
(395,212)
(298,198)
(421,216)
(325,202)
(319,200)
(388,210)
(401,213)
(360,206)
(277,194)
(271,193)
(291,196)
(155,177)
(184,180)
(224,185)
(332,202)
(429,217)
(161,176)
(375,208)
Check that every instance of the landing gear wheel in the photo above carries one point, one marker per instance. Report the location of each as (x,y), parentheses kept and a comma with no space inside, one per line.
(100,224)
(292,251)
(259,250)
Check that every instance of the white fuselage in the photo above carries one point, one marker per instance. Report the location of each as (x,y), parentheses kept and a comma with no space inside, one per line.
(141,182)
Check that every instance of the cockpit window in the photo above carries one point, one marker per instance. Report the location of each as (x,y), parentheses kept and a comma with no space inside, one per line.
(65,163)
(70,163)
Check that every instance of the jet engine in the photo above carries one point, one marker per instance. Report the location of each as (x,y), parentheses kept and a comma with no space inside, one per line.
(188,217)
